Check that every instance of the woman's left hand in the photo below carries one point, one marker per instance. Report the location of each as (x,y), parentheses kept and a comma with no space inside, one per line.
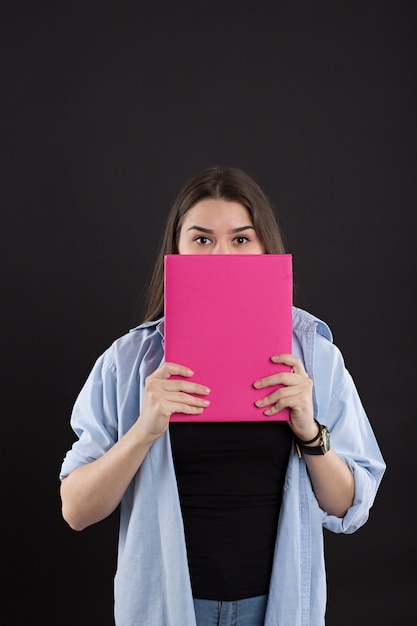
(331,479)
(295,392)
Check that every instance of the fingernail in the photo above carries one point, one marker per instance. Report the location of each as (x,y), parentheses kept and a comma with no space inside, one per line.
(257,384)
(206,402)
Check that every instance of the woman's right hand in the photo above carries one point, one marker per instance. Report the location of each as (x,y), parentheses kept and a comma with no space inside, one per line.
(165,395)
(91,492)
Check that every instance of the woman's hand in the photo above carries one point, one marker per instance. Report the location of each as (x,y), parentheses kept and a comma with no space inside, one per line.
(331,478)
(93,491)
(295,392)
(165,395)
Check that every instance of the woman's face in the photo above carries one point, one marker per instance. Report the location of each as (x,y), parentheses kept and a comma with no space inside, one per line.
(218,227)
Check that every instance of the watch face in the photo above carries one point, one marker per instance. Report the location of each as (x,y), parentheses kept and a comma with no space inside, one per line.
(325,440)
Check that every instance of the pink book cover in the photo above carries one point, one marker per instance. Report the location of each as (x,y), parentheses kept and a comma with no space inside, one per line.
(225,316)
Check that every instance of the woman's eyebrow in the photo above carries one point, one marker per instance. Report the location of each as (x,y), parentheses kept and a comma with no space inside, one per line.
(232,231)
(203,230)
(240,228)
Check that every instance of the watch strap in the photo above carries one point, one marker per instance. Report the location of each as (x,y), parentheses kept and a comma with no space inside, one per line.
(313,450)
(322,447)
(302,442)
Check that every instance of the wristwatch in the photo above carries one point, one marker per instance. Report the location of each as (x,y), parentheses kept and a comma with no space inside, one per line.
(322,447)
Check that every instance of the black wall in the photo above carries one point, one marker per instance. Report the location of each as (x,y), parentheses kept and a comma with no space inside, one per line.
(106,109)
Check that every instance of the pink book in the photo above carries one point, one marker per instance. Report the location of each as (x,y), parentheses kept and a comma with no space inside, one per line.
(225,316)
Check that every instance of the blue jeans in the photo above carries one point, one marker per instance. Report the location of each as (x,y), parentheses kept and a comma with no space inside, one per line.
(247,612)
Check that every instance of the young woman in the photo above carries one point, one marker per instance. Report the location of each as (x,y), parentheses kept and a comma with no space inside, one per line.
(220,523)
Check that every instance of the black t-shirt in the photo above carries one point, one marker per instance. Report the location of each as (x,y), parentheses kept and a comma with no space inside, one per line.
(230,479)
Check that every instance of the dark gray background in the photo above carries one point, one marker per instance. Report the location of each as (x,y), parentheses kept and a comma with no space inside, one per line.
(106,110)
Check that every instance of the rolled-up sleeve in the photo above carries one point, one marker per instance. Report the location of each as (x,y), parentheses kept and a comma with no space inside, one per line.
(352,437)
(94,416)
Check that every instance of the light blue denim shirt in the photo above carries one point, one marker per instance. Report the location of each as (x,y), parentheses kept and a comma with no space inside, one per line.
(152,584)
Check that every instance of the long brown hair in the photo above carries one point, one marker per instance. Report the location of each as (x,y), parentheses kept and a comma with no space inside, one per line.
(215,182)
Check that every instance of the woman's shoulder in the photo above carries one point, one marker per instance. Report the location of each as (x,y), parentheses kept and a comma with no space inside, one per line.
(305,322)
(147,328)
(146,337)
(143,333)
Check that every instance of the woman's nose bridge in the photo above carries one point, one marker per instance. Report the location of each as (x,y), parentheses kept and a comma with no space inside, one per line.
(221,247)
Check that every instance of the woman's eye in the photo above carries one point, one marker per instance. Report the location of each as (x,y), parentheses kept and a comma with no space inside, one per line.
(241,239)
(202,240)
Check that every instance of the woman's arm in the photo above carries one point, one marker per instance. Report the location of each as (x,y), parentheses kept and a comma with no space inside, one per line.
(92,492)
(332,480)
